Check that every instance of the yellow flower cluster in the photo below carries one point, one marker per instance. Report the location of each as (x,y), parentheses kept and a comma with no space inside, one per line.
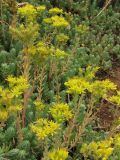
(44,128)
(17,85)
(3,115)
(79,85)
(44,50)
(82,83)
(40,8)
(59,53)
(56,21)
(62,38)
(16,88)
(17,81)
(40,48)
(82,28)
(58,154)
(10,97)
(25,34)
(101,88)
(99,150)
(116,98)
(30,12)
(55,11)
(15,108)
(117,141)
(39,105)
(47,20)
(89,73)
(61,112)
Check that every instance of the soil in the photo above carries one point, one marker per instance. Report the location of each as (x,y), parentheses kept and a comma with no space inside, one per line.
(107,114)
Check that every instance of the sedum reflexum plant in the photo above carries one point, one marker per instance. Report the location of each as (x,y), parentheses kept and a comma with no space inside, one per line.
(33,48)
(79,85)
(102,149)
(71,134)
(10,100)
(44,128)
(50,108)
(61,112)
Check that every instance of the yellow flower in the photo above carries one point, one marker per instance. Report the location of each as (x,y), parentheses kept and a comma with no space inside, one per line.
(61,112)
(44,128)
(58,154)
(10,96)
(15,108)
(84,150)
(55,11)
(42,49)
(82,28)
(28,11)
(104,152)
(5,96)
(32,50)
(40,8)
(116,98)
(86,82)
(47,20)
(101,88)
(39,105)
(56,21)
(93,146)
(100,150)
(59,21)
(77,85)
(117,140)
(17,85)
(89,73)
(26,34)
(59,53)
(62,38)
(17,81)
(82,83)
(3,115)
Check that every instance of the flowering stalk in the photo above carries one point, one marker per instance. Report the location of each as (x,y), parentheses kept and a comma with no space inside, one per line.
(18,127)
(27,93)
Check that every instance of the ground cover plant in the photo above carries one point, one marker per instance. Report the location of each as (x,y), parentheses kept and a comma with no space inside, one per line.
(52,58)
